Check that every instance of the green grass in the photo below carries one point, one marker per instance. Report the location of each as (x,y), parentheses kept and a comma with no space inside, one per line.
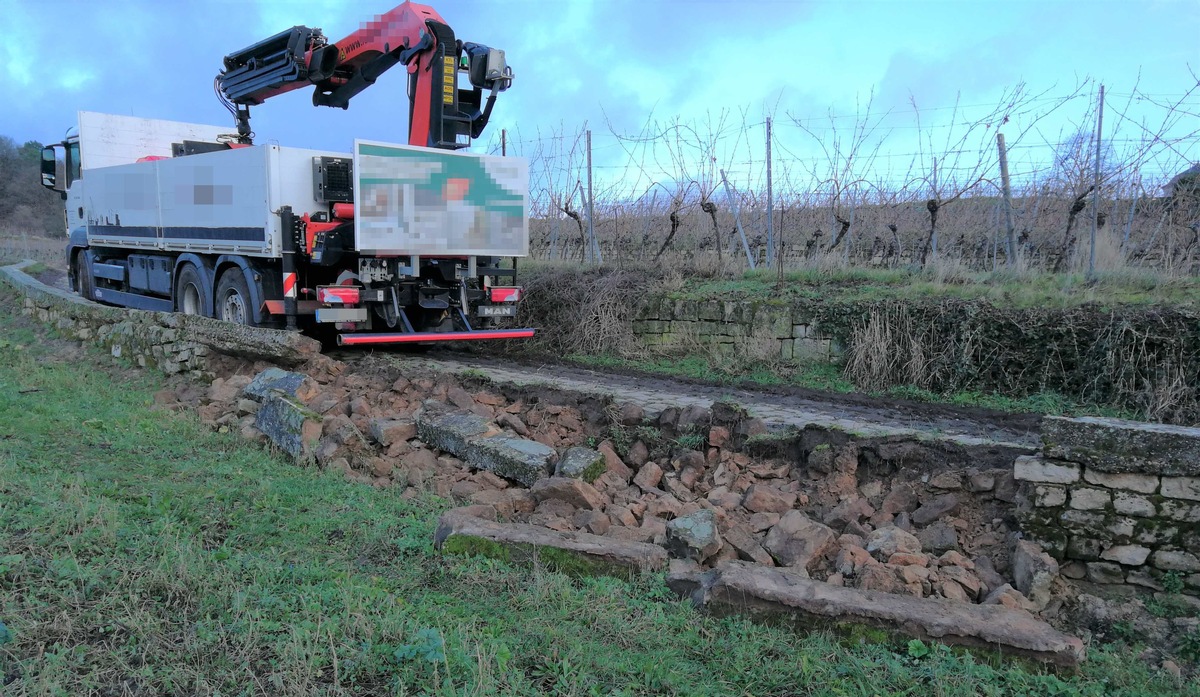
(142,554)
(1012,289)
(729,370)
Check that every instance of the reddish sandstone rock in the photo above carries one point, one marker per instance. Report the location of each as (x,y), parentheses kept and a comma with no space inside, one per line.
(490,399)
(761,498)
(965,580)
(620,515)
(796,540)
(849,511)
(613,461)
(649,476)
(639,454)
(878,577)
(763,521)
(909,559)
(851,560)
(513,422)
(388,431)
(594,522)
(845,460)
(630,414)
(935,508)
(902,498)
(747,547)
(666,506)
(886,541)
(575,492)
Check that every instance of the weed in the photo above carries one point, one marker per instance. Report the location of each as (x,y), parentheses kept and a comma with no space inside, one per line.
(428,646)
(1168,606)
(475,374)
(620,438)
(647,434)
(1125,631)
(690,441)
(1172,582)
(1189,646)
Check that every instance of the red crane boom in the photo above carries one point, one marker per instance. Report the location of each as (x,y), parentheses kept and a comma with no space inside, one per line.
(441,115)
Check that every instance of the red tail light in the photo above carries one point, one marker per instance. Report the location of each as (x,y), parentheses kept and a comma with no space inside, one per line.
(339,295)
(506,295)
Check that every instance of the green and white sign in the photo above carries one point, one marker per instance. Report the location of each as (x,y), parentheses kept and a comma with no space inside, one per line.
(412,200)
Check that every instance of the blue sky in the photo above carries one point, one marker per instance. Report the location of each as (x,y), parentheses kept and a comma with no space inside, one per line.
(615,64)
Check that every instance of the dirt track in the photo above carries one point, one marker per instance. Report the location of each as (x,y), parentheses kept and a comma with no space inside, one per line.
(798,407)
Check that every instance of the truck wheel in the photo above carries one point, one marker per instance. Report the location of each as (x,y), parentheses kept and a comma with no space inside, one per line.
(189,291)
(233,298)
(83,277)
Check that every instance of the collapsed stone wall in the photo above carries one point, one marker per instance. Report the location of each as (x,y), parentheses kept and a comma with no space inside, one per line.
(587,486)
(1116,501)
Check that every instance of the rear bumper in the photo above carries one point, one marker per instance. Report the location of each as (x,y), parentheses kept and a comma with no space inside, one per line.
(423,337)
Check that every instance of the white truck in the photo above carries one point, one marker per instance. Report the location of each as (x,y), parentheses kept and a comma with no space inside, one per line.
(385,244)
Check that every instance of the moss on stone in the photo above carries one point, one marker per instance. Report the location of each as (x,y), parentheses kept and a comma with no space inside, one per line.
(563,561)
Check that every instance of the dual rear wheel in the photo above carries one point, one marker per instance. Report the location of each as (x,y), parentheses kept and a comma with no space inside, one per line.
(231,302)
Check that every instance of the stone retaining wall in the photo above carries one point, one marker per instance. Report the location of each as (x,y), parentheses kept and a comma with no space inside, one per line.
(729,324)
(170,342)
(1117,501)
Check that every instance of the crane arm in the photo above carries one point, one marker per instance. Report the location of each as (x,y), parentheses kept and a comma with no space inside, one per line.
(440,114)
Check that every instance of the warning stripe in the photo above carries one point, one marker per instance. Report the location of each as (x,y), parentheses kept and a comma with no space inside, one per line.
(289,285)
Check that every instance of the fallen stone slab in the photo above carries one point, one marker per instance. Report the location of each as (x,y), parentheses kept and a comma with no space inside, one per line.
(525,461)
(290,425)
(1034,572)
(694,536)
(775,594)
(574,553)
(451,431)
(279,379)
(581,463)
(483,446)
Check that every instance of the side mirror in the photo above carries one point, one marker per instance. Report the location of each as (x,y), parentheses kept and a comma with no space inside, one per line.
(50,163)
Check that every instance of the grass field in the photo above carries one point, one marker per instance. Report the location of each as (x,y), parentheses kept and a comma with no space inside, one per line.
(141,554)
(1003,288)
(735,370)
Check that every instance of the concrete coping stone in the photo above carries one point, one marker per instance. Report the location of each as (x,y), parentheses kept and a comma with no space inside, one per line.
(1117,446)
(738,587)
(575,553)
(288,348)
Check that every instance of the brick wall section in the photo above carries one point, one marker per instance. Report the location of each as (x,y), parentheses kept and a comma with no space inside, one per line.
(170,342)
(1117,501)
(731,324)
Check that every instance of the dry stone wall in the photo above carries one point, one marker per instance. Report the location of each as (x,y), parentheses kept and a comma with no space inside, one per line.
(169,342)
(1116,501)
(778,330)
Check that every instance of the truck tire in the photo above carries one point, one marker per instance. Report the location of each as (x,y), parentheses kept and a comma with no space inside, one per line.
(233,298)
(189,292)
(83,277)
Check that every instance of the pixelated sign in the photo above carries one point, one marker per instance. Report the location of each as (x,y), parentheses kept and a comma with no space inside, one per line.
(413,200)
